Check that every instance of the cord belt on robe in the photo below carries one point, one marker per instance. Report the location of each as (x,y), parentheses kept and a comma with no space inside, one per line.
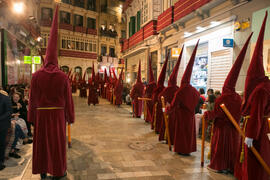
(49,108)
(244,130)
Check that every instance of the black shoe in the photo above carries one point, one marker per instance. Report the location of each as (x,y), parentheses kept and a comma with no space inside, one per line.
(29,141)
(43,176)
(59,177)
(183,154)
(2,166)
(14,155)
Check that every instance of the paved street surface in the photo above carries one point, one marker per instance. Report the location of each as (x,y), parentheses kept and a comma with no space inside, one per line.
(107,143)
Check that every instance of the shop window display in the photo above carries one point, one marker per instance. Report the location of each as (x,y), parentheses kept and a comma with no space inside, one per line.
(199,73)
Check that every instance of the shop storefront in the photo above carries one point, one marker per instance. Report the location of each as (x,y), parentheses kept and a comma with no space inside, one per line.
(17,60)
(213,59)
(133,64)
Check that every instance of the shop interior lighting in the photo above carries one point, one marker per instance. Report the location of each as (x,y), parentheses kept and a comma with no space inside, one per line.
(18,7)
(121,6)
(200,29)
(214,23)
(187,34)
(39,39)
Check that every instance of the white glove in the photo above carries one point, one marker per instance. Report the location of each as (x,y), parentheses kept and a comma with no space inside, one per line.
(163,109)
(248,142)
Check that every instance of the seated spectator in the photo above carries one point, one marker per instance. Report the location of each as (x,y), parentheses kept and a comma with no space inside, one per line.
(19,108)
(19,134)
(198,111)
(217,94)
(202,94)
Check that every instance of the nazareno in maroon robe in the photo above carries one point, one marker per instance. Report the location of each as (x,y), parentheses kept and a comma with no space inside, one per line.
(93,89)
(83,87)
(256,104)
(168,94)
(50,91)
(225,137)
(136,92)
(184,102)
(157,115)
(118,90)
(148,93)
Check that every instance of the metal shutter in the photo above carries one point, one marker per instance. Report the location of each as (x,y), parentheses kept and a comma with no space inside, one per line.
(221,62)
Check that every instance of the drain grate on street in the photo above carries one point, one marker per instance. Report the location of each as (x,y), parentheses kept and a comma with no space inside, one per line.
(141,146)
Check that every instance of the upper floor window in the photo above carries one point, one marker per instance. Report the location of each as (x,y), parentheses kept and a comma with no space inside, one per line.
(78,20)
(91,23)
(112,52)
(103,50)
(66,1)
(145,11)
(46,14)
(123,34)
(64,17)
(91,5)
(79,3)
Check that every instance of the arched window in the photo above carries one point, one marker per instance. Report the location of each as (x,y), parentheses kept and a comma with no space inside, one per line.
(65,69)
(89,72)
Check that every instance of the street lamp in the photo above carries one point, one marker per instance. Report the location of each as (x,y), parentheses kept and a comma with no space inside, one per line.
(18,7)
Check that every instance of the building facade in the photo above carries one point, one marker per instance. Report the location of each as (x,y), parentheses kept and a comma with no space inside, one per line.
(157,28)
(89,32)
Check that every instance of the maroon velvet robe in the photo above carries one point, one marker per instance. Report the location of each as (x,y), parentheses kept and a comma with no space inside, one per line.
(83,90)
(93,93)
(136,92)
(159,113)
(168,94)
(118,93)
(225,139)
(50,89)
(185,100)
(150,106)
(257,128)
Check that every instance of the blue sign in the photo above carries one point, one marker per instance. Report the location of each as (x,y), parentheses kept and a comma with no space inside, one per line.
(228,43)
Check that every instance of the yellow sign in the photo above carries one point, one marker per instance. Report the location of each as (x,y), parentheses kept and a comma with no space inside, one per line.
(176,52)
(237,26)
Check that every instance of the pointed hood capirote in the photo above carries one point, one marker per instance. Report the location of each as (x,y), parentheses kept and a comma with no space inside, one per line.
(105,75)
(230,82)
(162,74)
(255,73)
(93,72)
(84,76)
(114,75)
(51,62)
(139,80)
(151,74)
(173,77)
(121,74)
(187,74)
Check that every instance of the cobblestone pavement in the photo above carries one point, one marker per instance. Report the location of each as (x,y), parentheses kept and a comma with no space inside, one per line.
(107,143)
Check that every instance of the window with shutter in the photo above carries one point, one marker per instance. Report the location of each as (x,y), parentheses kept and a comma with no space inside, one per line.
(138,20)
(133,25)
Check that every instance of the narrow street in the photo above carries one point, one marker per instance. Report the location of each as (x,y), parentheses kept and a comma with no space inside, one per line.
(107,143)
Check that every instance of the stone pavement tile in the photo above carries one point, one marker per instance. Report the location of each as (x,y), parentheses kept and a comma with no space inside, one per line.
(106,176)
(143,163)
(142,173)
(195,170)
(125,174)
(160,173)
(197,176)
